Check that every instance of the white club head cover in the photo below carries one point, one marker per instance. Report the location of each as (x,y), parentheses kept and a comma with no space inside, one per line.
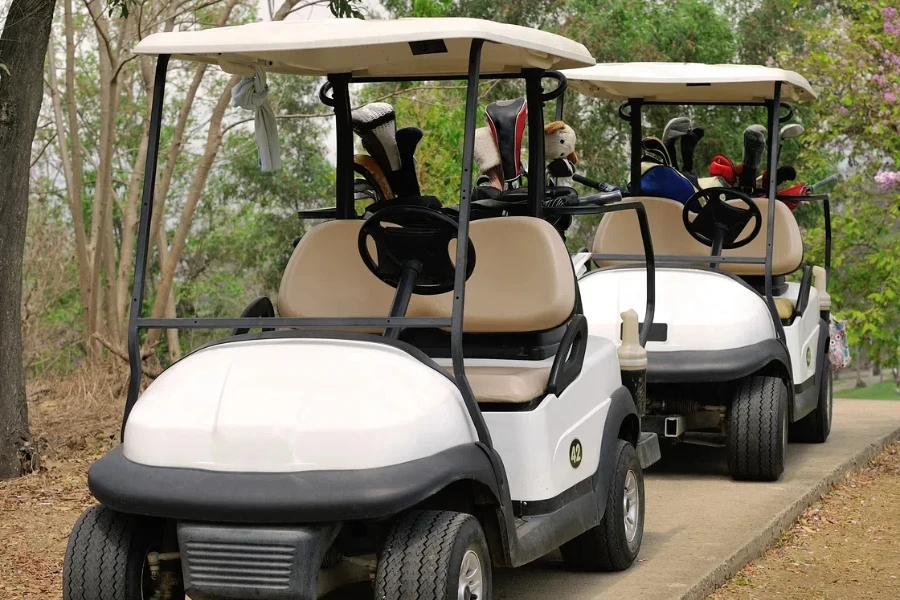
(559,142)
(486,154)
(376,125)
(252,93)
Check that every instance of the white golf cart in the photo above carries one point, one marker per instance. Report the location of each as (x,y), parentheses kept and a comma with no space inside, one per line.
(737,354)
(419,411)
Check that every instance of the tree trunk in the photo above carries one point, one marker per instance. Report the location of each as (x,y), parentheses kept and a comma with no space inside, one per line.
(23,45)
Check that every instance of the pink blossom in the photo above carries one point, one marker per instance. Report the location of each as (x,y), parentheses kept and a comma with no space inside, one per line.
(890,97)
(889,13)
(879,79)
(843,110)
(888,179)
(891,29)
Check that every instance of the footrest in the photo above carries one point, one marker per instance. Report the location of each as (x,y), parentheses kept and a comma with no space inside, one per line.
(648,449)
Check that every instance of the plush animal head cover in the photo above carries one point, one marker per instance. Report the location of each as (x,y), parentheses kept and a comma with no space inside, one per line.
(559,142)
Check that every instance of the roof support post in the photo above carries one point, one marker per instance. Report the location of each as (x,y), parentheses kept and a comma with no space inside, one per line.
(774,108)
(535,103)
(143,240)
(343,129)
(634,118)
(462,248)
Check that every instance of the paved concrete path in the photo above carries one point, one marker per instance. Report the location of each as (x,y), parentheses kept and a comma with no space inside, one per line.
(702,527)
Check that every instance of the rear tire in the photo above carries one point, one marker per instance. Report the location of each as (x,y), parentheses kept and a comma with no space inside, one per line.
(815,427)
(434,555)
(106,557)
(757,429)
(613,545)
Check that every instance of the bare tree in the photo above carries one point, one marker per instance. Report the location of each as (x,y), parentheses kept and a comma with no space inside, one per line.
(23,45)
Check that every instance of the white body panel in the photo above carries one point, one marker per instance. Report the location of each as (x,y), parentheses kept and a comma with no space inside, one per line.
(703,310)
(802,336)
(534,444)
(296,405)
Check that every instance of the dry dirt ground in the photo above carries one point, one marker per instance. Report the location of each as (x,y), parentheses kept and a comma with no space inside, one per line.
(846,546)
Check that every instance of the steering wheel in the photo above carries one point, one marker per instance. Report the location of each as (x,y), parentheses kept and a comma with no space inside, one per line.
(417,237)
(718,219)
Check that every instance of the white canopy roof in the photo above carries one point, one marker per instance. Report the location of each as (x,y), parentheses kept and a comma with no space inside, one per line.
(687,82)
(401,47)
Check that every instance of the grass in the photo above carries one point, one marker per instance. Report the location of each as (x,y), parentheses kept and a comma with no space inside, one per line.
(878,391)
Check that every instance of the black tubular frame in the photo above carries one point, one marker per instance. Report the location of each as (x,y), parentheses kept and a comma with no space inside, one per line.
(143,240)
(534,99)
(630,110)
(339,100)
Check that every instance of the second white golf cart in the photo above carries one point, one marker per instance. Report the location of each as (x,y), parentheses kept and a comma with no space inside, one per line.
(737,355)
(340,447)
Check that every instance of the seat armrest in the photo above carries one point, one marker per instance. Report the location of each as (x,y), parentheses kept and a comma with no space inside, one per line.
(570,356)
(260,307)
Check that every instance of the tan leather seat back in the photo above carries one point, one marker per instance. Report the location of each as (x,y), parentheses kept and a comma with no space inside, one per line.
(618,233)
(522,281)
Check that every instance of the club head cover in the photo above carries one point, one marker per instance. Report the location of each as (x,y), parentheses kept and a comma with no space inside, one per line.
(376,126)
(404,180)
(689,143)
(754,151)
(674,130)
(559,142)
(486,154)
(506,119)
(722,166)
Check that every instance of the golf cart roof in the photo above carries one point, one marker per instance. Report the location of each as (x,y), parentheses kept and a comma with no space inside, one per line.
(687,82)
(372,48)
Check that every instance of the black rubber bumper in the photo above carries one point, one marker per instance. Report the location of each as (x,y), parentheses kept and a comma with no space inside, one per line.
(690,366)
(303,497)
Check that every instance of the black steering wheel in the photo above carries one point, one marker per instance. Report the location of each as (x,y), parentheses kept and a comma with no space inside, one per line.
(413,237)
(718,222)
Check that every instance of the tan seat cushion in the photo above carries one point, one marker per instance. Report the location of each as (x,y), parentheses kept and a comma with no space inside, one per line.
(785,307)
(508,384)
(618,233)
(523,279)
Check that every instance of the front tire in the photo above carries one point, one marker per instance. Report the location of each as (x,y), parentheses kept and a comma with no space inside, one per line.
(106,557)
(613,545)
(758,429)
(815,427)
(434,555)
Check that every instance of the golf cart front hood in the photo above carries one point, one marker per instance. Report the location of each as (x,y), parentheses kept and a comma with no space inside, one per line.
(296,404)
(695,309)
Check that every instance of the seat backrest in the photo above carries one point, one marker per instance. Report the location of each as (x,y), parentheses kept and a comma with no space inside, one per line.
(522,282)
(618,233)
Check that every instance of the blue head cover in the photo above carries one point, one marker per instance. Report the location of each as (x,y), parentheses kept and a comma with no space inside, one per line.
(665,182)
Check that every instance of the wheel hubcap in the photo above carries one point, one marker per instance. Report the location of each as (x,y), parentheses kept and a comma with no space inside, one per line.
(471,577)
(631,504)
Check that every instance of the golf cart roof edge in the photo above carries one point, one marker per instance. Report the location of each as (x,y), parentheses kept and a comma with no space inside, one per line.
(372,48)
(687,82)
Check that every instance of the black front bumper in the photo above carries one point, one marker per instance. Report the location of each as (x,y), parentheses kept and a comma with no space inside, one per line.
(701,366)
(302,497)
(222,562)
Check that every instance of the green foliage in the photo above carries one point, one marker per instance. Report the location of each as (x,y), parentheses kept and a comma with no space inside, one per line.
(851,53)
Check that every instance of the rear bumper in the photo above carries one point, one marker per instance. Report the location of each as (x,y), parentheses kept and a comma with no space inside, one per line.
(700,366)
(299,497)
